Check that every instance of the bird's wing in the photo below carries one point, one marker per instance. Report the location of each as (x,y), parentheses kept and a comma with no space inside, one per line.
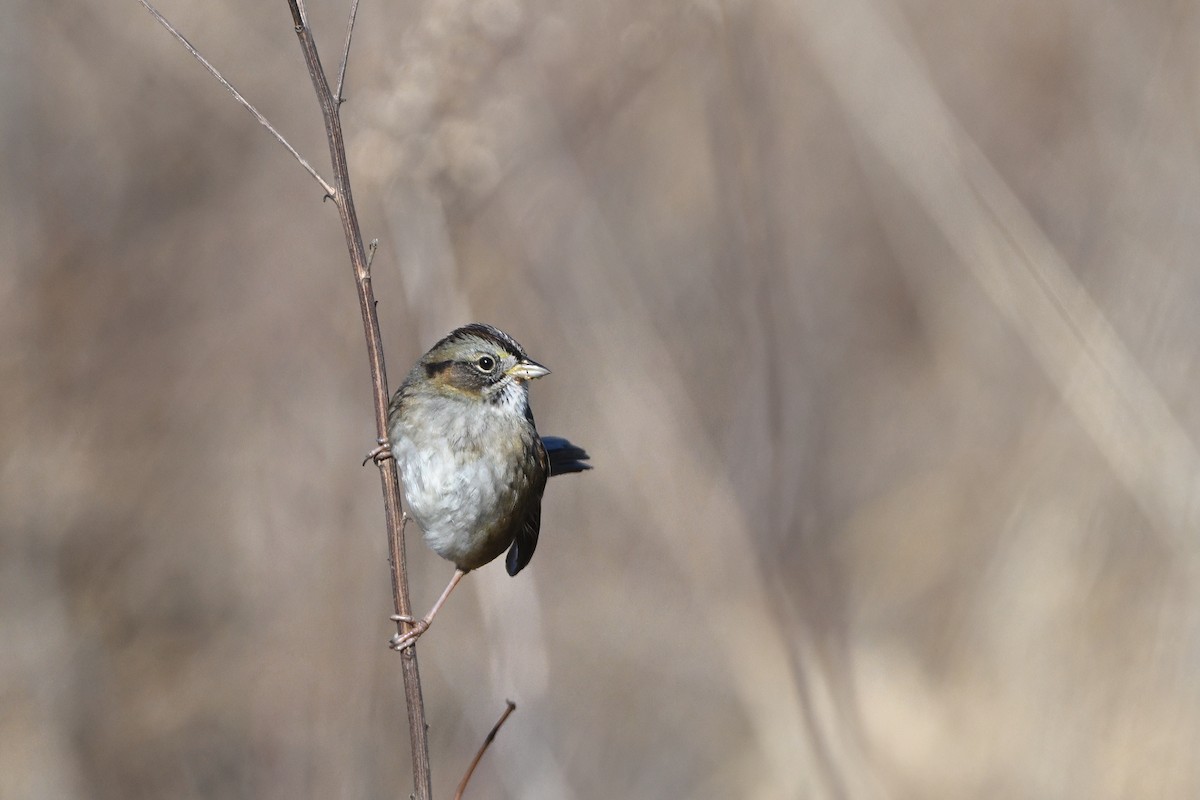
(525,542)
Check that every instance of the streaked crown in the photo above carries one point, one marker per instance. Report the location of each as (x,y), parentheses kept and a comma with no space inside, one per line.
(478,360)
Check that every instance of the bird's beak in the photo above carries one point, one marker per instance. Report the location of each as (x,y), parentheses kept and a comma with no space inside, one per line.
(527,370)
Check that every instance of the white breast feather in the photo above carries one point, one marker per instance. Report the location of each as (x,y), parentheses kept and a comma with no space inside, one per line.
(449,498)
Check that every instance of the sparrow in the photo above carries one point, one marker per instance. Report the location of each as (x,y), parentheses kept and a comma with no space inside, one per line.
(470,458)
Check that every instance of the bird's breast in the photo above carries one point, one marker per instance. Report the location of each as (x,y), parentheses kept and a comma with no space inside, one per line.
(463,476)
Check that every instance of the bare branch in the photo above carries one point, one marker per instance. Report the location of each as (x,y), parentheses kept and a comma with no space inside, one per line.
(300,16)
(337,93)
(462,786)
(343,199)
(389,480)
(329,190)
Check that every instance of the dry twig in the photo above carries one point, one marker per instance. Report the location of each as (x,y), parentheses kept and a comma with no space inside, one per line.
(343,199)
(238,95)
(462,786)
(337,93)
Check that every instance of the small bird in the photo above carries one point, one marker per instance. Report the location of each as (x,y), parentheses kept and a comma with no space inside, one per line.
(470,458)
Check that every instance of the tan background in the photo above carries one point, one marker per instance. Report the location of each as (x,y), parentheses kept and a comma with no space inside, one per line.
(878,319)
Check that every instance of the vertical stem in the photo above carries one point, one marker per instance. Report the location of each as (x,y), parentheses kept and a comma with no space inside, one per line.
(387,469)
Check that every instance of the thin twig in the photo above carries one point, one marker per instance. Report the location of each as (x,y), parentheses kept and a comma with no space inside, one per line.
(390,483)
(462,786)
(372,248)
(337,94)
(343,199)
(329,190)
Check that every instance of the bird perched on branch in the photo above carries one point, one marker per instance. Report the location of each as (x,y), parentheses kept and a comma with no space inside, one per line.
(470,458)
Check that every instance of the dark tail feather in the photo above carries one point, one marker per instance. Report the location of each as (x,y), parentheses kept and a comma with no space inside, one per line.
(564,456)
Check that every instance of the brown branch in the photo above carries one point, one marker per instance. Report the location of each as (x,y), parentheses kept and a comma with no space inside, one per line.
(462,786)
(344,200)
(238,95)
(337,93)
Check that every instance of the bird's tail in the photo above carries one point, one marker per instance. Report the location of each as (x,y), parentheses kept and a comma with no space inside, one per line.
(564,456)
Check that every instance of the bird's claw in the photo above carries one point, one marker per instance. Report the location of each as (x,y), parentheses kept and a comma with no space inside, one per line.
(379,454)
(407,639)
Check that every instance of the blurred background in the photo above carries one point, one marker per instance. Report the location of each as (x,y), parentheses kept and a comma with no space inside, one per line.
(878,319)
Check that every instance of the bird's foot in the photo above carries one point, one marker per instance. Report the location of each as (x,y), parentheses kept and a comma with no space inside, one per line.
(409,637)
(419,626)
(381,453)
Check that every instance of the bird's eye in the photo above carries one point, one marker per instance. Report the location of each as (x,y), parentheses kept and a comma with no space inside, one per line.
(486,363)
